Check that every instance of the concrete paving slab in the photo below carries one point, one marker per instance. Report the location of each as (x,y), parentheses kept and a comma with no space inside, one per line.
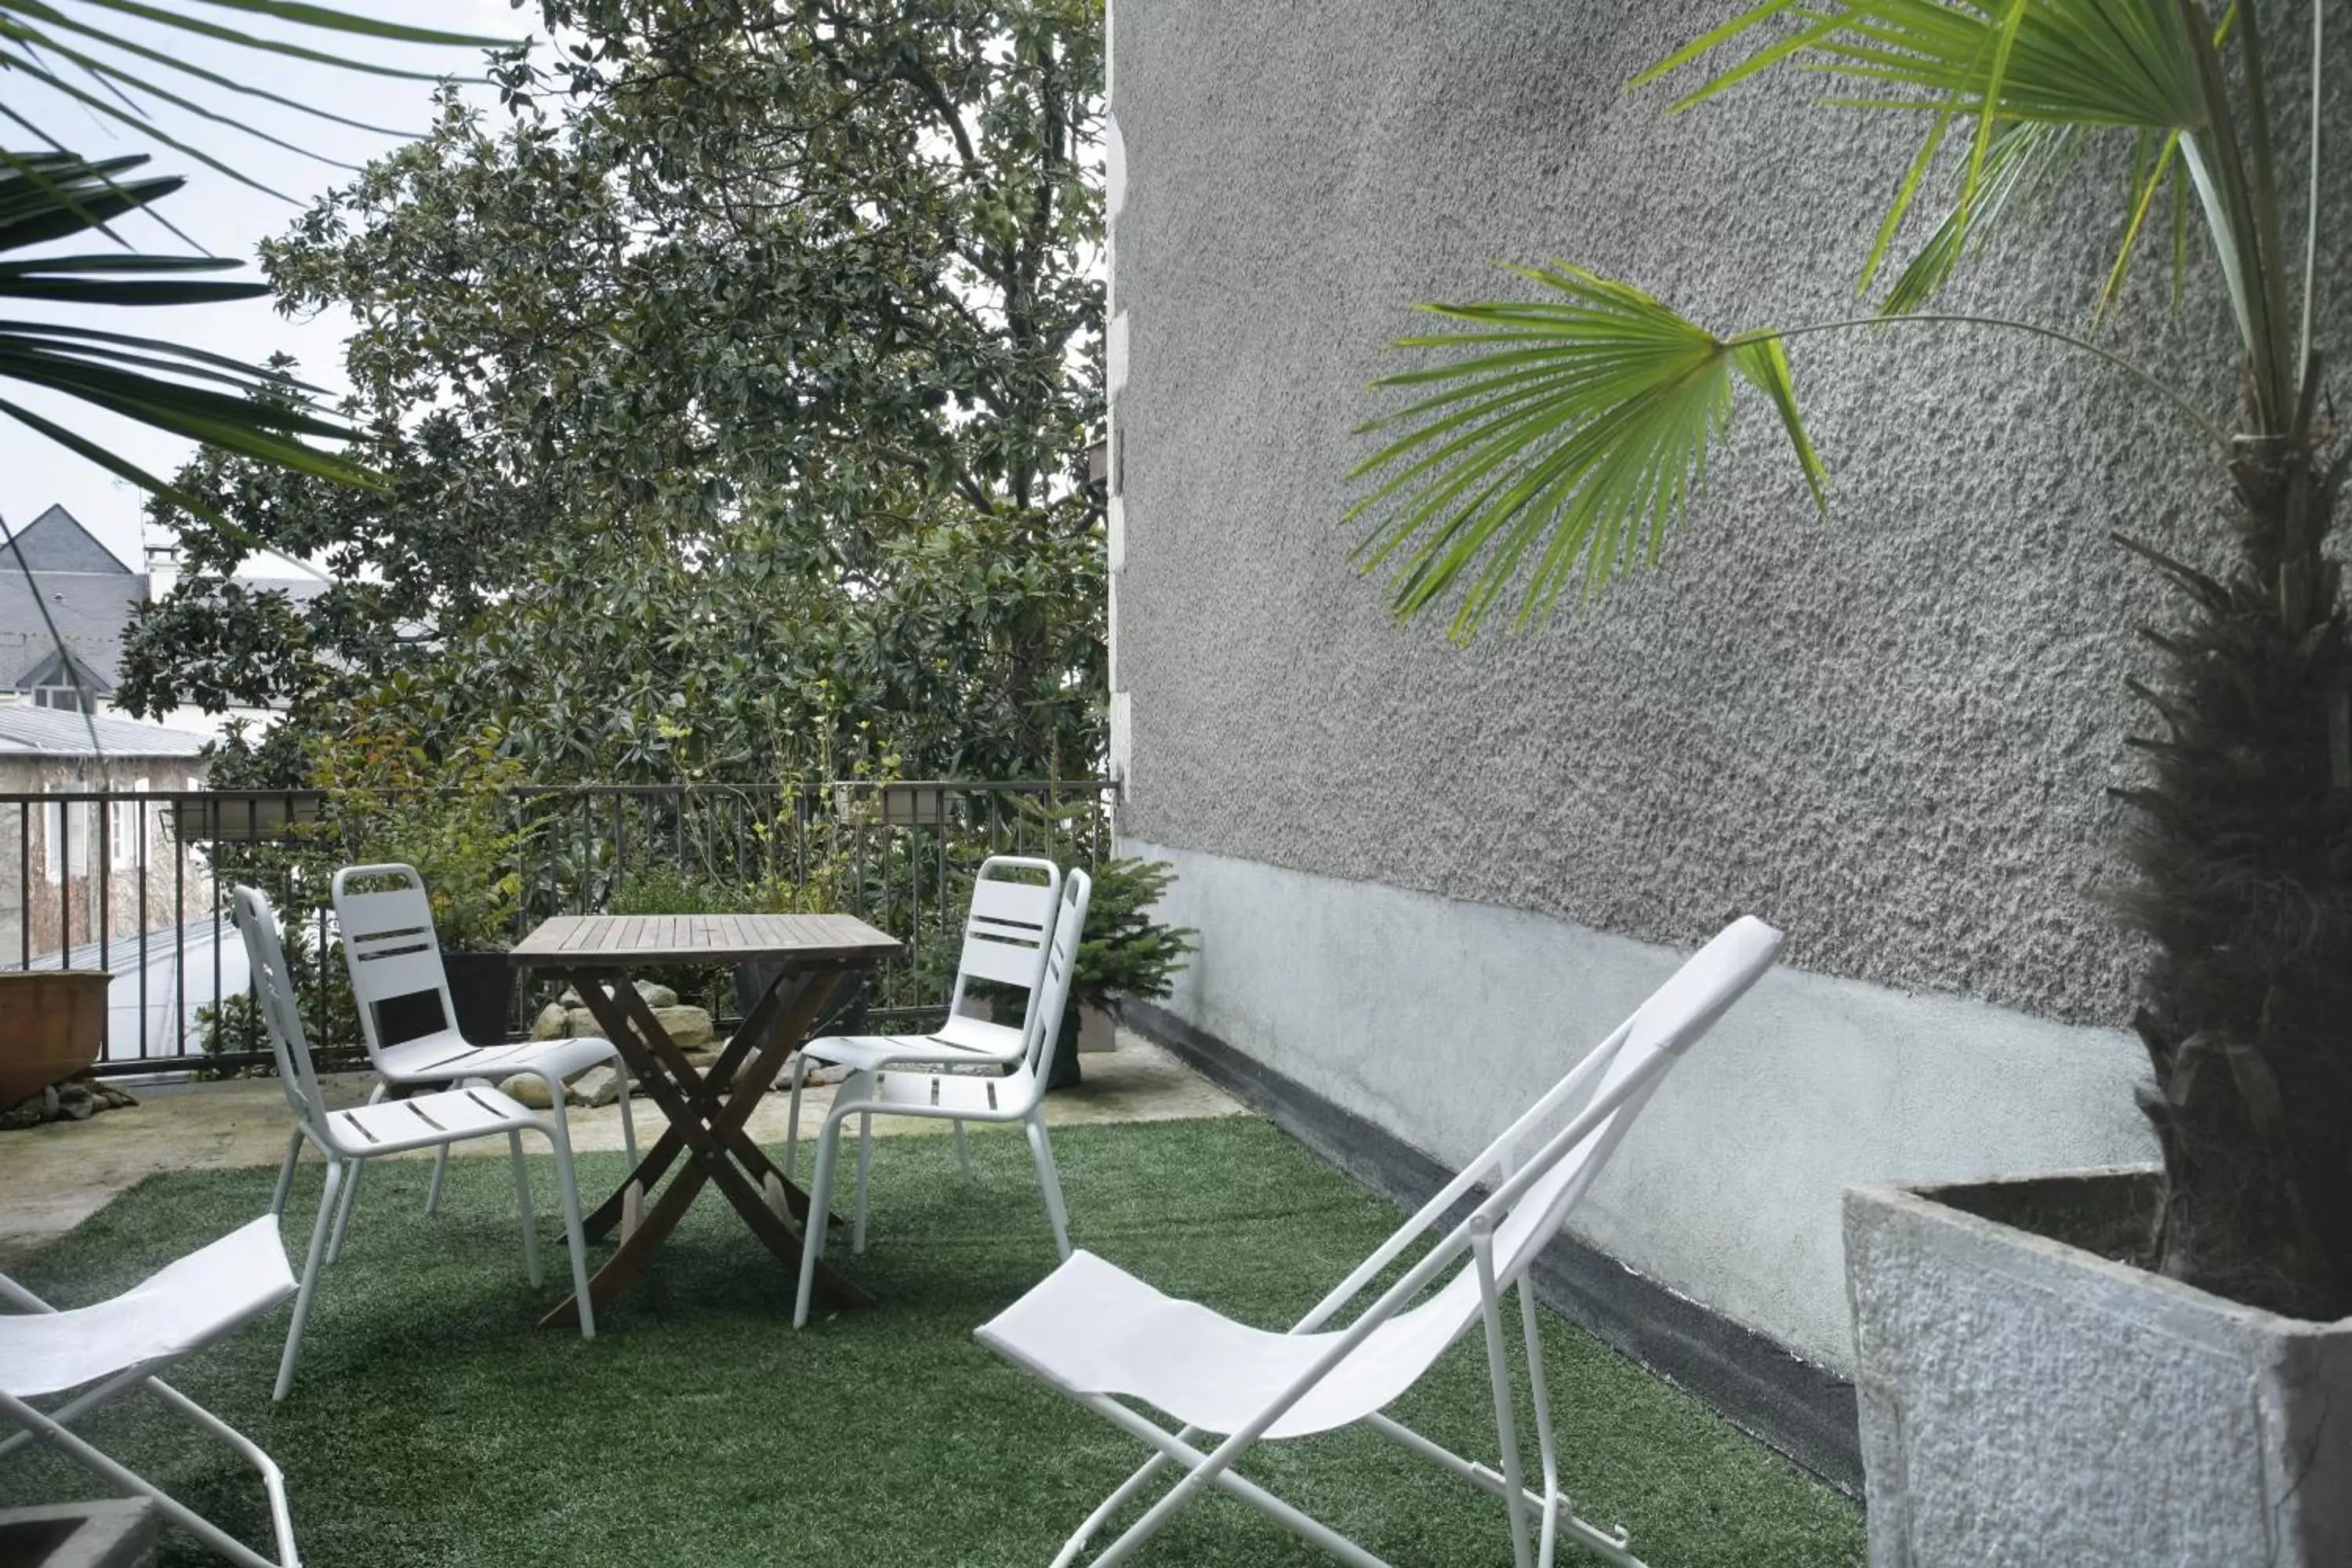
(55,1176)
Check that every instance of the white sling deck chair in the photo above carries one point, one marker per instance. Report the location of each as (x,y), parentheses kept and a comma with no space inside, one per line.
(1096,1332)
(120,1344)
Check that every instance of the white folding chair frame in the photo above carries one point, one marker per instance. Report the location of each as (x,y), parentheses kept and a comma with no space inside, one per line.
(1553,1513)
(1017,1096)
(413,948)
(349,1139)
(55,1427)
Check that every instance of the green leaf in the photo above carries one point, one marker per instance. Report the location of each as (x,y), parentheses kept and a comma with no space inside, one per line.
(1564,441)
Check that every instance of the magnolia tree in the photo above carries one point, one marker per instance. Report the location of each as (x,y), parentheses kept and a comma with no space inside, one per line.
(731,386)
(1552,440)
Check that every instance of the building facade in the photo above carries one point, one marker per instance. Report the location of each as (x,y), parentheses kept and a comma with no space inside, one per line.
(1427,877)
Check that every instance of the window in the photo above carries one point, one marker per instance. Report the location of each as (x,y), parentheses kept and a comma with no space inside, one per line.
(125,844)
(64,835)
(62,697)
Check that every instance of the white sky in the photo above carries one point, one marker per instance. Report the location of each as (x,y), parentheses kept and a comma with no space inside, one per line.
(226,219)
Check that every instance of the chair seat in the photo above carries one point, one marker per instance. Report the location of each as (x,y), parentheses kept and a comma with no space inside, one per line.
(960,1040)
(180,1309)
(445,1055)
(1090,1327)
(910,1090)
(426,1120)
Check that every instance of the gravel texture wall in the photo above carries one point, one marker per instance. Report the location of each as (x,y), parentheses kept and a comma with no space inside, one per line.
(1887,729)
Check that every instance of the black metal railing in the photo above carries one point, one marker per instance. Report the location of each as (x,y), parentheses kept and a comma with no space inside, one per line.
(138,884)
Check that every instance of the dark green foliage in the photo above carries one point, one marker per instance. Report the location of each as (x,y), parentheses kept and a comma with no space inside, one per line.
(732,391)
(1125,953)
(698,1428)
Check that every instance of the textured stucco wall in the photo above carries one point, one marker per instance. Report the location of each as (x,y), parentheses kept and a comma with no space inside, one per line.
(1887,729)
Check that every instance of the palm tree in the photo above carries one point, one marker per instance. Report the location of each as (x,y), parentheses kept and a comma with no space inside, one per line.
(76,50)
(1554,440)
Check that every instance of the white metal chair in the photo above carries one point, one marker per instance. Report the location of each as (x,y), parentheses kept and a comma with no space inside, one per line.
(115,1346)
(391,950)
(1094,1331)
(1006,934)
(889,1089)
(350,1138)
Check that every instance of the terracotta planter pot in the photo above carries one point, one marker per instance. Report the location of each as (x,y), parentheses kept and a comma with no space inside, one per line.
(52,1025)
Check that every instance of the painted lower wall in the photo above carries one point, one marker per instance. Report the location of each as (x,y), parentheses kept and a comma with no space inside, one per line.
(1440,1019)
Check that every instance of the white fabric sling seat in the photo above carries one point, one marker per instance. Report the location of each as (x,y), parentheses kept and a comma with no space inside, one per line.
(1100,1334)
(119,1344)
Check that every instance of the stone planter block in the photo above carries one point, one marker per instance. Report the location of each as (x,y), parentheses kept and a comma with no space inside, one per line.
(2028,1401)
(111,1534)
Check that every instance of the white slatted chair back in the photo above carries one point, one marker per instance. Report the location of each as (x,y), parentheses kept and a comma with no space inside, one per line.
(1007,928)
(1060,969)
(389,944)
(281,1015)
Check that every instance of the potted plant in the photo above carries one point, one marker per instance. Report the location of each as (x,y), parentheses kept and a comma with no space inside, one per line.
(2104,1367)
(453,817)
(52,1027)
(1123,954)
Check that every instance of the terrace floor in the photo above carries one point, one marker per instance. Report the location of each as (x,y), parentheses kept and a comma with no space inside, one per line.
(699,1428)
(57,1175)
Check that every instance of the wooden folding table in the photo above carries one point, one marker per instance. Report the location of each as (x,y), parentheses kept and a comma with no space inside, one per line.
(813,958)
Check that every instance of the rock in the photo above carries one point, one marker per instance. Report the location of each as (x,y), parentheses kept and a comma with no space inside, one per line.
(527,1089)
(75,1099)
(654,995)
(597,1086)
(690,1027)
(552,1023)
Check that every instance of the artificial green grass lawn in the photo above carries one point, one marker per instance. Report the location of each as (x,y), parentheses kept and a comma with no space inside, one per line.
(432,1422)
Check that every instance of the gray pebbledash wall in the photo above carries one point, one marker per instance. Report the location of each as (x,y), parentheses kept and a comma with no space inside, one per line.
(1426,876)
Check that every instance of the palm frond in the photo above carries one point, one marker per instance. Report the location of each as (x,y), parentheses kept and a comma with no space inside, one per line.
(1560,439)
(75,49)
(2149,67)
(2025,163)
(185,392)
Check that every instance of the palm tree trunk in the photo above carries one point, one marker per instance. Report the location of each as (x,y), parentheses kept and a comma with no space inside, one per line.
(2241,844)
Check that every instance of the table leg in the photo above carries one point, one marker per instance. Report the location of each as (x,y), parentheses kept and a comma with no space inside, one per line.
(731,1116)
(645,1063)
(707,1113)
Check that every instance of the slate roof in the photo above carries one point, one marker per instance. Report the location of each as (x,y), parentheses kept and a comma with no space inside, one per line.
(28,732)
(91,609)
(57,542)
